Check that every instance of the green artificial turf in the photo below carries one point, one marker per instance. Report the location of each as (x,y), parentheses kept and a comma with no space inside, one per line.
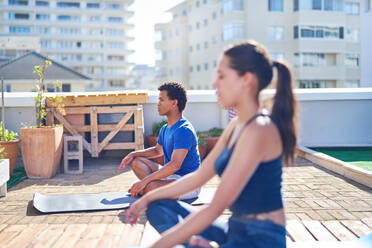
(358,156)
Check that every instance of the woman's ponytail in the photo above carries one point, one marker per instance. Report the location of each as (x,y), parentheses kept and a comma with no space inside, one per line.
(283,111)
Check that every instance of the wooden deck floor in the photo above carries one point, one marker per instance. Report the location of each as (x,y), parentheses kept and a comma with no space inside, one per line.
(319,206)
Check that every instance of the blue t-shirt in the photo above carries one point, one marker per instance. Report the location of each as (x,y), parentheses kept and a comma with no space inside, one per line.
(180,136)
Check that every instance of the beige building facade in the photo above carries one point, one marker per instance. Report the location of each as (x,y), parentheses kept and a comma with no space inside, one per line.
(320,39)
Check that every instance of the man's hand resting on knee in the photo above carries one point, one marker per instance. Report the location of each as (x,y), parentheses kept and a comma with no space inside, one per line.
(137,188)
(127,160)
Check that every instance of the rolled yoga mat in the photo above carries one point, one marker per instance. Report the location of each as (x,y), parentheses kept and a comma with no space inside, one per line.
(102,201)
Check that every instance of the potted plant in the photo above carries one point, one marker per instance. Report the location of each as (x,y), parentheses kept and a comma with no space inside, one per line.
(4,172)
(202,145)
(152,140)
(41,145)
(212,138)
(9,146)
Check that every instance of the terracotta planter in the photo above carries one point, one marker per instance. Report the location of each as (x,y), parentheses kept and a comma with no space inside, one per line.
(202,151)
(10,152)
(151,140)
(41,150)
(211,142)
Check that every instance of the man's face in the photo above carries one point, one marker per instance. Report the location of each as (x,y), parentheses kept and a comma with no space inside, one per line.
(165,105)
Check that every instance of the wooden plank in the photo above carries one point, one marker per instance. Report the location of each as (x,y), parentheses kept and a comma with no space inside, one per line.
(318,230)
(26,236)
(298,232)
(100,110)
(111,236)
(115,131)
(94,132)
(2,226)
(48,236)
(70,236)
(91,236)
(367,221)
(10,232)
(111,99)
(50,118)
(338,230)
(357,227)
(72,131)
(120,146)
(149,236)
(131,235)
(103,128)
(138,122)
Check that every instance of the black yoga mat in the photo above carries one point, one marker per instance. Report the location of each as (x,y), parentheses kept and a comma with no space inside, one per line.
(102,201)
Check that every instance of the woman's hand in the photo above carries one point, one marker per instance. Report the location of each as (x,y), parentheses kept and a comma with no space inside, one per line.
(135,210)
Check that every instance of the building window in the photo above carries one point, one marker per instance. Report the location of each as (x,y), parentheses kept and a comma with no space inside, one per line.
(42,3)
(197,25)
(232,5)
(352,8)
(233,31)
(214,15)
(205,1)
(42,30)
(18,2)
(190,49)
(8,88)
(276,56)
(369,5)
(18,16)
(197,4)
(93,5)
(215,63)
(276,33)
(113,6)
(68,4)
(191,69)
(315,59)
(276,5)
(352,34)
(320,32)
(198,47)
(19,30)
(329,5)
(206,66)
(198,67)
(205,22)
(42,17)
(351,84)
(114,19)
(205,44)
(352,60)
(66,87)
(314,83)
(177,32)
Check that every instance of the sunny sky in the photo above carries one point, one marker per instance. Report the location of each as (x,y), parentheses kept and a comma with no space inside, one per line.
(146,14)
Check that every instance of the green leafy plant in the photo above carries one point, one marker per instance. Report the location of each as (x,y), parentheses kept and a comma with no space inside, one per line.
(201,140)
(157,126)
(215,132)
(40,105)
(8,136)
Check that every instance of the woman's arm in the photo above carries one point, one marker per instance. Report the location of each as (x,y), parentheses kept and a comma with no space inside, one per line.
(247,155)
(184,185)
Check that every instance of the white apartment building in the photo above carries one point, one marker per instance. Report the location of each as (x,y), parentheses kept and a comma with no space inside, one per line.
(16,46)
(89,36)
(320,39)
(366,41)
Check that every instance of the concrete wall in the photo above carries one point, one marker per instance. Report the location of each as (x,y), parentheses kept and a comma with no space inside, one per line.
(327,117)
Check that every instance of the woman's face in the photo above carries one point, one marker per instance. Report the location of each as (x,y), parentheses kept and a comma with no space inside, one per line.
(228,84)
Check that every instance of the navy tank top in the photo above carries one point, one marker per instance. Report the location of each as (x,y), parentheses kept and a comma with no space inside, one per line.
(262,192)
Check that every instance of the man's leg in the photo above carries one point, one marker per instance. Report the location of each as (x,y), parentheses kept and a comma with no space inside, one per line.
(143,167)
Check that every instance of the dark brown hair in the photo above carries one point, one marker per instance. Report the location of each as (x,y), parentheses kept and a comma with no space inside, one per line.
(252,57)
(175,91)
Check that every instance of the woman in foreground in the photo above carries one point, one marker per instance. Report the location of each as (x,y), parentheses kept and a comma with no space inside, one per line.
(248,158)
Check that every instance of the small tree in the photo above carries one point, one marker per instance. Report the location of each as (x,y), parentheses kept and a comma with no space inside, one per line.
(41,112)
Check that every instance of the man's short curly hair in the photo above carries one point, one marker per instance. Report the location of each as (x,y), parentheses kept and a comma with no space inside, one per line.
(175,91)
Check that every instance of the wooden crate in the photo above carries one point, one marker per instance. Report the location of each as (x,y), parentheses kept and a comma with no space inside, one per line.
(75,107)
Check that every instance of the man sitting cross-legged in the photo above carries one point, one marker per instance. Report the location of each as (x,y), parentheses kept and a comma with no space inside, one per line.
(177,141)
